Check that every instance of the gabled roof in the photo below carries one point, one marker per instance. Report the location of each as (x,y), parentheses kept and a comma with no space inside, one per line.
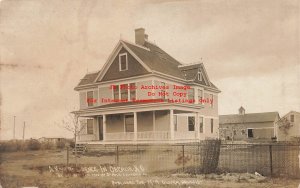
(248,118)
(153,58)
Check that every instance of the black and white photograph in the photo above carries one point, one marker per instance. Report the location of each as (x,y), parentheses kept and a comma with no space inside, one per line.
(149,93)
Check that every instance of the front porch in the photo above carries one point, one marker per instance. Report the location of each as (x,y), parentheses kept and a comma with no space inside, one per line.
(156,126)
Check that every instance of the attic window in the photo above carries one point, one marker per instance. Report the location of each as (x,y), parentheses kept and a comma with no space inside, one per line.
(200,76)
(123,62)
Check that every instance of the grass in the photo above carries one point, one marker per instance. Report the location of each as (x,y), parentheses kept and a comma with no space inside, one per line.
(31,168)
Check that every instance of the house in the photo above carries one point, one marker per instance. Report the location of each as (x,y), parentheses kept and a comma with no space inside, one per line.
(248,126)
(288,127)
(144,95)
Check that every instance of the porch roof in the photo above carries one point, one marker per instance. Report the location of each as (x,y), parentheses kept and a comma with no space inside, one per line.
(124,107)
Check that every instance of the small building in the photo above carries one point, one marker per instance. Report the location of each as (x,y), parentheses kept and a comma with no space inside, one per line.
(248,126)
(288,127)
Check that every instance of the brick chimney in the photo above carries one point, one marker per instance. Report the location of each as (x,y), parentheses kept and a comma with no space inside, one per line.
(242,110)
(140,36)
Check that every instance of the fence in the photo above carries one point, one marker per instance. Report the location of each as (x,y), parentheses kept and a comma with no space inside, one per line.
(206,157)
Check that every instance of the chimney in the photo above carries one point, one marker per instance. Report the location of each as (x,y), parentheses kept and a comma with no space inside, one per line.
(140,36)
(242,111)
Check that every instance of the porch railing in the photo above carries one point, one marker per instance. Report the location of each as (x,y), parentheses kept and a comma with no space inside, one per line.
(86,137)
(153,135)
(184,135)
(119,136)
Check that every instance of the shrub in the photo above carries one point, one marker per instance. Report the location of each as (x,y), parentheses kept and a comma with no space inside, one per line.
(33,144)
(60,144)
(47,145)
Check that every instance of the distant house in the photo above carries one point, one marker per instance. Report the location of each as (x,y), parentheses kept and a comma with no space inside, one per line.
(293,119)
(51,140)
(251,126)
(143,95)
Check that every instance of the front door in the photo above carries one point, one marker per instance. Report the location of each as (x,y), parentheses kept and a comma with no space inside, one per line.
(100,128)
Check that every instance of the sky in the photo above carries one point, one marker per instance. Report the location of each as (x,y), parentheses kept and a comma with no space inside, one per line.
(250,49)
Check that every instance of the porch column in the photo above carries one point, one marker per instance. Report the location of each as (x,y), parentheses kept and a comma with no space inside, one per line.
(135,125)
(104,127)
(172,124)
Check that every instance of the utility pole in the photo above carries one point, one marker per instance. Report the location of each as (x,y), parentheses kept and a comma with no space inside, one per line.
(14,127)
(24,131)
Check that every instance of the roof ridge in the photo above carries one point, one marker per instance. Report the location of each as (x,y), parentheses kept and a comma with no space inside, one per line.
(143,47)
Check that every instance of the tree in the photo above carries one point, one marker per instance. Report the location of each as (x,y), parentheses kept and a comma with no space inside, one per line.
(72,124)
(284,125)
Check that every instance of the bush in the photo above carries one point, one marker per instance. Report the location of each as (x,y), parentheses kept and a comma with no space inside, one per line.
(33,144)
(60,144)
(11,146)
(47,145)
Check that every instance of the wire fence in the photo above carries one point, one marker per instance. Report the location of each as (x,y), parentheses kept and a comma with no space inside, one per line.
(208,157)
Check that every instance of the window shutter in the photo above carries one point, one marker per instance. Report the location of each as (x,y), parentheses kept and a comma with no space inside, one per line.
(82,98)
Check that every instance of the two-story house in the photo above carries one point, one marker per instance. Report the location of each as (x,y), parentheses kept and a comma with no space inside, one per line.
(143,95)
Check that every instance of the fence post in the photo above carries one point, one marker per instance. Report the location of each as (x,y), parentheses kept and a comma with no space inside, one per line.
(271,161)
(67,156)
(182,158)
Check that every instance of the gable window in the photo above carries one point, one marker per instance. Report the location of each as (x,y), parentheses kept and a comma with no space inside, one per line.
(90,126)
(200,96)
(211,125)
(292,118)
(90,98)
(201,124)
(129,126)
(132,88)
(116,92)
(123,62)
(175,122)
(200,76)
(191,123)
(124,91)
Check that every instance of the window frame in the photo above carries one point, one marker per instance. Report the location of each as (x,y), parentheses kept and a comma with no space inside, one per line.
(201,128)
(189,123)
(202,97)
(199,75)
(131,91)
(126,62)
(188,93)
(125,125)
(211,96)
(90,102)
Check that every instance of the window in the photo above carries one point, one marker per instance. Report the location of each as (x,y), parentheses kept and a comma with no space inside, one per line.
(124,91)
(129,124)
(292,118)
(175,122)
(191,123)
(211,101)
(191,94)
(200,96)
(90,99)
(200,76)
(250,133)
(123,63)
(116,92)
(90,126)
(132,91)
(211,125)
(163,90)
(201,124)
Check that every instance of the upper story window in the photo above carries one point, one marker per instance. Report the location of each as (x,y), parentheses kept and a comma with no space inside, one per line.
(162,93)
(191,94)
(90,126)
(199,76)
(132,88)
(292,118)
(124,91)
(211,100)
(116,92)
(123,62)
(90,98)
(191,123)
(200,96)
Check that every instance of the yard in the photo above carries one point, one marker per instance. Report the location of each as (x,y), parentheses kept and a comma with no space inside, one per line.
(31,168)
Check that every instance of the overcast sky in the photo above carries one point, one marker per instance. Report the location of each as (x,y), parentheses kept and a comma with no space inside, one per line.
(249,48)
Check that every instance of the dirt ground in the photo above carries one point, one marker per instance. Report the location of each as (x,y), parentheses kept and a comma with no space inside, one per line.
(48,169)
